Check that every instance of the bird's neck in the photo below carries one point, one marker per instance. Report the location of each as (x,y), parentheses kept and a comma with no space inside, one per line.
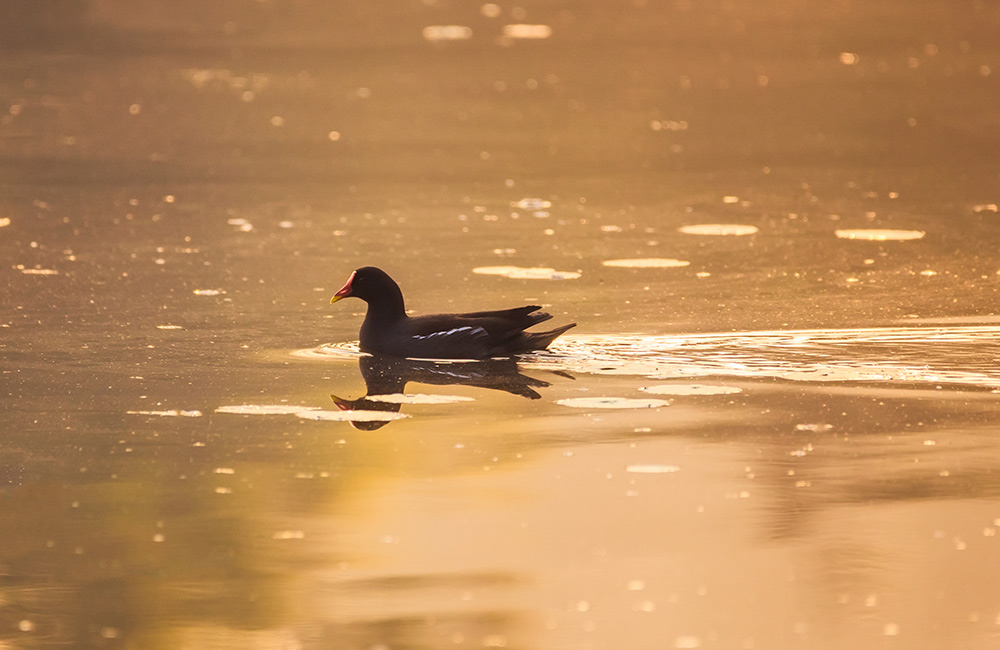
(389,308)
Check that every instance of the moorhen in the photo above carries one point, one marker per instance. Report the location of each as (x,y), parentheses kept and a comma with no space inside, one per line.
(478,335)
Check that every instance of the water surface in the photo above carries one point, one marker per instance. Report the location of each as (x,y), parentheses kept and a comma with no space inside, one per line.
(775,425)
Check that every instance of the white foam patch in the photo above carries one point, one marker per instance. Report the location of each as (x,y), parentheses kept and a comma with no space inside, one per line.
(39,271)
(652,469)
(611,403)
(874,234)
(719,229)
(418,398)
(207,292)
(352,416)
(527,31)
(264,409)
(647,263)
(169,327)
(436,33)
(532,204)
(526,273)
(172,413)
(691,389)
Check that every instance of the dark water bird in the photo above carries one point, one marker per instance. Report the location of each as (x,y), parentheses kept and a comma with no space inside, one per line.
(387,329)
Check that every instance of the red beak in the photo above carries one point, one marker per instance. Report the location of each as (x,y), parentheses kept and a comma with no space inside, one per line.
(345,291)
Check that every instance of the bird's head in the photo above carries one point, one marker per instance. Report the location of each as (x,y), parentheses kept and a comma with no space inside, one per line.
(366,283)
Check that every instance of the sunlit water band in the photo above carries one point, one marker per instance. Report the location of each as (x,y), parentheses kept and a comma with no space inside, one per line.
(952,355)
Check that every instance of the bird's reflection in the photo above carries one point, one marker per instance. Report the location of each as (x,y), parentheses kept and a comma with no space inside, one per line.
(389,375)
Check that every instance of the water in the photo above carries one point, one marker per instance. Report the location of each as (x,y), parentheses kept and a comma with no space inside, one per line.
(774,426)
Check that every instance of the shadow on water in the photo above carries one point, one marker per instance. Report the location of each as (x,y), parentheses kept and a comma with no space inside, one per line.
(386,379)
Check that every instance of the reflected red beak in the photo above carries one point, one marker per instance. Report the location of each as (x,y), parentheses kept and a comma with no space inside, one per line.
(345,291)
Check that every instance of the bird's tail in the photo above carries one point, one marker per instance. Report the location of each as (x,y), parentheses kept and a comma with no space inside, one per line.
(541,340)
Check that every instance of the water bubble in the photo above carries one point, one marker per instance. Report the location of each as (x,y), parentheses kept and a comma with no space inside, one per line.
(849,58)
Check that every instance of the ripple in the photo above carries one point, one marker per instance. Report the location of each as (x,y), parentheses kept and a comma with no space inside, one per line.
(723,229)
(526,273)
(337,351)
(264,409)
(611,403)
(418,398)
(690,389)
(647,263)
(956,355)
(874,234)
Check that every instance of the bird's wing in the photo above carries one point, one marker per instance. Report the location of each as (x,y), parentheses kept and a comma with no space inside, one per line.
(450,341)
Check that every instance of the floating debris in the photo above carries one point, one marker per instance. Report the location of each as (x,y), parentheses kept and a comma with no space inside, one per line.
(874,234)
(611,403)
(719,229)
(982,207)
(39,271)
(436,33)
(647,263)
(691,389)
(526,273)
(264,409)
(207,292)
(169,327)
(418,398)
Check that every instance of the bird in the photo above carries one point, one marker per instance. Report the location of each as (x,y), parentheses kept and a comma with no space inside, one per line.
(388,330)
